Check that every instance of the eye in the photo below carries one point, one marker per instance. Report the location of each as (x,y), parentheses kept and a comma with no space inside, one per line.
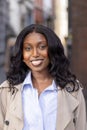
(27,48)
(42,47)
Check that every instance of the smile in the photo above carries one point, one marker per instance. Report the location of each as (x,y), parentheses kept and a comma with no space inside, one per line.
(36,62)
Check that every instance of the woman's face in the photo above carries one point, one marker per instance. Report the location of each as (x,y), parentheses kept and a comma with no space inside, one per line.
(35,52)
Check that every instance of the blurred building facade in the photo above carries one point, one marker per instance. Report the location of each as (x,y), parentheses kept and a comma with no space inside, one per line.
(3,24)
(26,12)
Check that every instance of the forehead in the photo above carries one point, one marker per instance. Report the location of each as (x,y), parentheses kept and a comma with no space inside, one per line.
(34,36)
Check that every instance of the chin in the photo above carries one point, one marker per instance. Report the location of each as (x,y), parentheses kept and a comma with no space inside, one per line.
(38,69)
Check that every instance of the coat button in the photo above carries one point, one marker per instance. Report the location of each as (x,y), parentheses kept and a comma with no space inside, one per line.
(7,122)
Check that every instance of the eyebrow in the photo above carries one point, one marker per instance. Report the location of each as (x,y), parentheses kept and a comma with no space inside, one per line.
(38,42)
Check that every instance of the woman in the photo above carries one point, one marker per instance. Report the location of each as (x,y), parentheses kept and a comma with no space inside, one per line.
(40,92)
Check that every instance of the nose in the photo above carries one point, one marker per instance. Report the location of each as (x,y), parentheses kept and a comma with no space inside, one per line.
(35,52)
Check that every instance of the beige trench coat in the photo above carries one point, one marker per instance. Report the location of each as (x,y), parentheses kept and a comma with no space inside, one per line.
(71,113)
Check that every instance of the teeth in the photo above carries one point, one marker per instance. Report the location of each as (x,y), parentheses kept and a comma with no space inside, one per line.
(37,62)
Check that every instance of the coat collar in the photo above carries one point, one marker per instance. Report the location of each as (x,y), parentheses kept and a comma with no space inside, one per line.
(67,103)
(5,84)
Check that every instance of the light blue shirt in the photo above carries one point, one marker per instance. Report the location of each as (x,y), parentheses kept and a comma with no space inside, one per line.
(39,112)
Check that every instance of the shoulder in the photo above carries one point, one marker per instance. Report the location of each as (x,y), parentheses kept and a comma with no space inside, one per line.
(74,90)
(5,84)
(4,93)
(4,89)
(77,93)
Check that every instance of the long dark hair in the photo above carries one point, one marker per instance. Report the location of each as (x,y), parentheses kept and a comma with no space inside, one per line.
(59,64)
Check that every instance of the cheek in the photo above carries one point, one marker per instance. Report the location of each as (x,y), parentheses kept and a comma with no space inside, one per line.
(26,56)
(45,54)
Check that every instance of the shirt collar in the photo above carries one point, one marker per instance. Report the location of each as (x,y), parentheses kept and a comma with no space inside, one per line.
(52,87)
(28,81)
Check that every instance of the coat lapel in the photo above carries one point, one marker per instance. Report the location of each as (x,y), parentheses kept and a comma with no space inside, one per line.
(66,106)
(14,101)
(16,107)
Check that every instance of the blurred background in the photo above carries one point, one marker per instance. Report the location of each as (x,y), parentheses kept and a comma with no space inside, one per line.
(68,18)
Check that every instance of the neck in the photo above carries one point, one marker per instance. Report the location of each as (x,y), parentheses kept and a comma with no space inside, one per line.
(41,80)
(40,76)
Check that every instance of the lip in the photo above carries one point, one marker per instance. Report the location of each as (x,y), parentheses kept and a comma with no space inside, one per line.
(35,59)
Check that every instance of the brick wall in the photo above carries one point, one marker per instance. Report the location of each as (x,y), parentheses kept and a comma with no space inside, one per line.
(79,40)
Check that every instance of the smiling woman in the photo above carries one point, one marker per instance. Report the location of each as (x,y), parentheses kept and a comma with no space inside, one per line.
(40,92)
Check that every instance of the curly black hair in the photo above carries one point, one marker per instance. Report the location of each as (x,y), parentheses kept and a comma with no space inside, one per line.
(59,66)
